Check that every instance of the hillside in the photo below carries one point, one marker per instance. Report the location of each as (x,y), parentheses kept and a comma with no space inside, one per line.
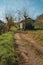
(39,22)
(40,17)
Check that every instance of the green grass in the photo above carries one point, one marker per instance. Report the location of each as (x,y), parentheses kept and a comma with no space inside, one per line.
(37,36)
(14,28)
(8,53)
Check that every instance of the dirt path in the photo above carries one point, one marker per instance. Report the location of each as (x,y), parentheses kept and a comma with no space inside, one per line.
(31,54)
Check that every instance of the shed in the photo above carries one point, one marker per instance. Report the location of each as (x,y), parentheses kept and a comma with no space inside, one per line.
(27,24)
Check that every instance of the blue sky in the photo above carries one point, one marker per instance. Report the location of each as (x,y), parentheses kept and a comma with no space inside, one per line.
(33,7)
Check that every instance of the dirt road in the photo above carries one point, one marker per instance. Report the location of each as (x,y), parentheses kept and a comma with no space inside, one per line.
(31,52)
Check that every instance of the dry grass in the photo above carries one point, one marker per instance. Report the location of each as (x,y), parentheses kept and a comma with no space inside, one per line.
(37,36)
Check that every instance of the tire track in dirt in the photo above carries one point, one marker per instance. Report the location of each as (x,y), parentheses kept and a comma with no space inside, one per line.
(37,60)
(28,53)
(37,46)
(22,49)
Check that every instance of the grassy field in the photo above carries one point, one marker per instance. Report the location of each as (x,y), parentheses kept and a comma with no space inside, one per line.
(37,36)
(8,53)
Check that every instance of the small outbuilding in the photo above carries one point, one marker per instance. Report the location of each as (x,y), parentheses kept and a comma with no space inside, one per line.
(26,24)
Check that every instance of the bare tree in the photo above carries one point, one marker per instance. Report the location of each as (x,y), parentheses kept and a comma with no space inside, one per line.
(28,22)
(25,14)
(10,21)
